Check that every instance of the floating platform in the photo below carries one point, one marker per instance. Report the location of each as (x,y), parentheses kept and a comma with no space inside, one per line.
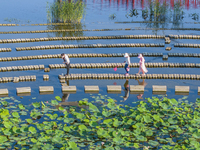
(69,89)
(91,89)
(84,55)
(23,91)
(131,76)
(114,88)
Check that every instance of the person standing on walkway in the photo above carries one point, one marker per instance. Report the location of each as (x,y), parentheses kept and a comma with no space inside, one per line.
(128,62)
(142,68)
(66,61)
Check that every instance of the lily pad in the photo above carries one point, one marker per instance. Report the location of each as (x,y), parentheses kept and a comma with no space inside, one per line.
(173,101)
(3,139)
(172,121)
(147,119)
(82,127)
(15,114)
(153,143)
(117,123)
(118,140)
(8,124)
(141,138)
(54,102)
(58,98)
(196,135)
(93,123)
(36,104)
(32,130)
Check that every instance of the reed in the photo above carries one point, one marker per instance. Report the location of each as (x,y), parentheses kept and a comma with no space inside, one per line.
(66,11)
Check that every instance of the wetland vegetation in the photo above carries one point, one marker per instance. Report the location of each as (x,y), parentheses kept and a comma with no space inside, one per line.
(154,123)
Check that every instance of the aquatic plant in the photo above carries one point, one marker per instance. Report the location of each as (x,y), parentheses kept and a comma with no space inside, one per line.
(194,16)
(112,16)
(177,14)
(133,12)
(159,123)
(160,14)
(66,11)
(12,20)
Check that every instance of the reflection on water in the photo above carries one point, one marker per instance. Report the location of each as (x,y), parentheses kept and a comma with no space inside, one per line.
(159,12)
(137,4)
(141,83)
(65,100)
(194,16)
(126,89)
(64,104)
(65,97)
(73,33)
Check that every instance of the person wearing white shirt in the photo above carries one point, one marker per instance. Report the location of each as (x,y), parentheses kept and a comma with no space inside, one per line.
(128,62)
(66,61)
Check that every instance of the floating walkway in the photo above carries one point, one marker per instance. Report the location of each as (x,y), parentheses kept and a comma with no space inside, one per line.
(40,24)
(186,45)
(84,55)
(131,76)
(99,37)
(134,89)
(91,46)
(64,30)
(45,47)
(62,24)
(83,30)
(5,49)
(18,79)
(98,65)
(22,68)
(101,76)
(176,36)
(49,56)
(81,38)
(153,22)
(132,65)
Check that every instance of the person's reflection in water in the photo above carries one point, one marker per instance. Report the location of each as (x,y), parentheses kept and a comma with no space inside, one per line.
(141,83)
(126,89)
(65,96)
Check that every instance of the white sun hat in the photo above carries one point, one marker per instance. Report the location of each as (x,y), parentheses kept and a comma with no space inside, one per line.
(126,55)
(140,56)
